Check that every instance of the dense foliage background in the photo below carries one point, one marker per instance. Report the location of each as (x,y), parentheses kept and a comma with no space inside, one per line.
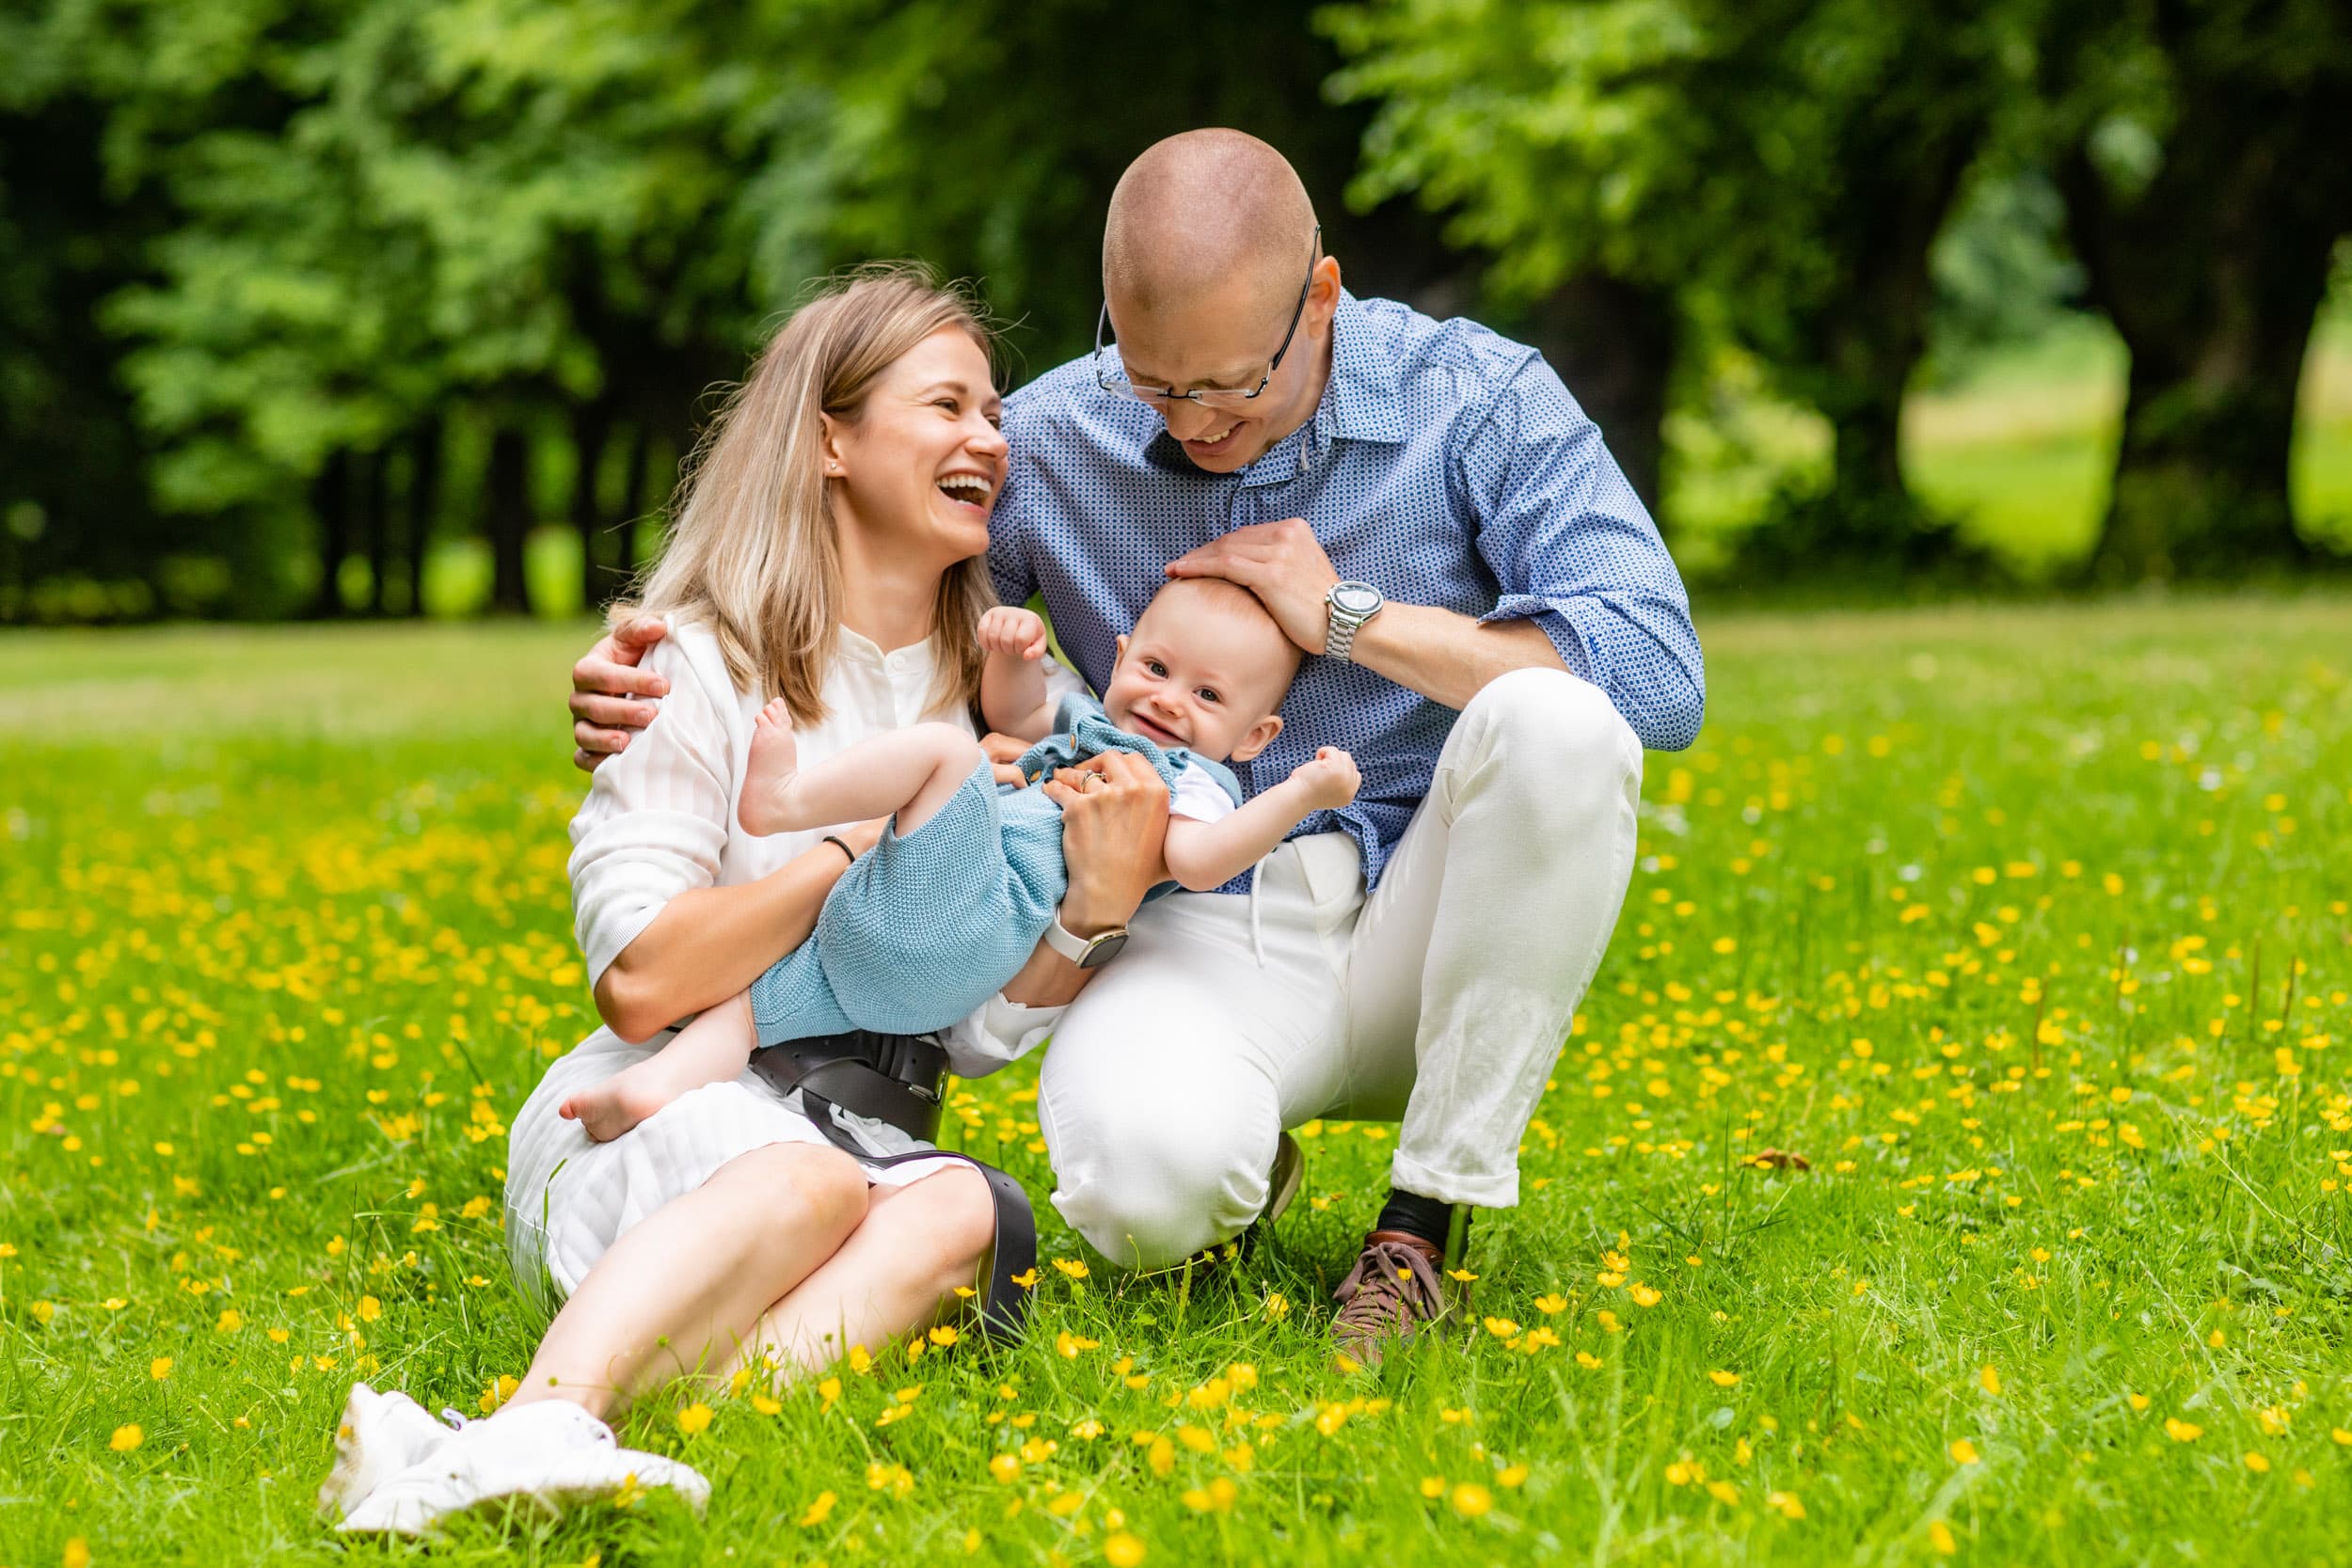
(400,306)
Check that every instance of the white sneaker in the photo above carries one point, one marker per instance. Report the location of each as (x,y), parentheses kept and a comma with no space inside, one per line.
(379,1437)
(548,1455)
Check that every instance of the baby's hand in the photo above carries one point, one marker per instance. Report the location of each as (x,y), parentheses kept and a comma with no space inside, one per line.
(1331,776)
(1013,633)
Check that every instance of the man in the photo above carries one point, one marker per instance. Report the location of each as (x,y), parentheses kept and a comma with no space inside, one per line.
(1497,631)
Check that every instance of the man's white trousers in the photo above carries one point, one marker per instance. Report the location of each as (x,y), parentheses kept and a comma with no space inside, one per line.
(1442,999)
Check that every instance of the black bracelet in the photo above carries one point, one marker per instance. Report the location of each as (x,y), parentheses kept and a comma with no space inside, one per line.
(843,845)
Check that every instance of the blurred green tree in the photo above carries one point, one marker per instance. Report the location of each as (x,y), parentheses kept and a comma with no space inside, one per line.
(412,246)
(1782,169)
(2205,151)
(501,214)
(75,518)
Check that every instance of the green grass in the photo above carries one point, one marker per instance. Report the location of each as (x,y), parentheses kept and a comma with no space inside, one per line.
(286,940)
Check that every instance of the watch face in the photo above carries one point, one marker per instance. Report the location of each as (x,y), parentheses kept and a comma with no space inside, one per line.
(1103,949)
(1356,598)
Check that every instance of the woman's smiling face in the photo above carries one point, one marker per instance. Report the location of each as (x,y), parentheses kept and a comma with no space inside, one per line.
(923,462)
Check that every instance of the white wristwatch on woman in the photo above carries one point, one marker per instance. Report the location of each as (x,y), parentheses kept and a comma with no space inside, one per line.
(1346,607)
(1087,953)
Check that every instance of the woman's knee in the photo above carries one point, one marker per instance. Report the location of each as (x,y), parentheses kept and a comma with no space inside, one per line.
(797,1189)
(952,1215)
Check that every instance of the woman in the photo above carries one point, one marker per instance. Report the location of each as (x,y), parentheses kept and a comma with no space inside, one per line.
(827,551)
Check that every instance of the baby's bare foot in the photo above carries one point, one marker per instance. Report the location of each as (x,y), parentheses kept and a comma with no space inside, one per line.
(606,1110)
(767,777)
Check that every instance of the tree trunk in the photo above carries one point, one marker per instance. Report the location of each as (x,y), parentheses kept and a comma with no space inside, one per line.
(2213,274)
(1872,334)
(330,501)
(375,522)
(592,422)
(425,505)
(632,508)
(507,486)
(1614,344)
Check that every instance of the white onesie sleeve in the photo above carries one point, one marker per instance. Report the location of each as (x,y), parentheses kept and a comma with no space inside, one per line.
(1201,796)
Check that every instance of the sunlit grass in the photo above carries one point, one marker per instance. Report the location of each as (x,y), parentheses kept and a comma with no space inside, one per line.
(2027,930)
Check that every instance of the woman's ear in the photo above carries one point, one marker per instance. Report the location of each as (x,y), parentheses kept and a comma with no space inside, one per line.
(829,443)
(1261,735)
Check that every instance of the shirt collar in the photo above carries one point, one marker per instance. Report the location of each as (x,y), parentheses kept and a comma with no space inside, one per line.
(1360,400)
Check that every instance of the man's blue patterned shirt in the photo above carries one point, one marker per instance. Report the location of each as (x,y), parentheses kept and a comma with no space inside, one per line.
(1445,465)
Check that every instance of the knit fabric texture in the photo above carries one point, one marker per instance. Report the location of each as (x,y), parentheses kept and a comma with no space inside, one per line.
(929,924)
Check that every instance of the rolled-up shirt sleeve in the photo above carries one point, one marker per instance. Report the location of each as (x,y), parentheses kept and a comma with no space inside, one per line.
(998,1035)
(654,821)
(1575,551)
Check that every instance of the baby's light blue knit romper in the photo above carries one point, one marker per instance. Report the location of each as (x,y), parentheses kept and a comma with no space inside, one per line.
(928,926)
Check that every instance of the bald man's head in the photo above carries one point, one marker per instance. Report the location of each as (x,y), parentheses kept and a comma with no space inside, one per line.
(1199,211)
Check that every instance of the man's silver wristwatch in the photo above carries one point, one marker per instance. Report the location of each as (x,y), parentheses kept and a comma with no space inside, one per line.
(1347,606)
(1087,953)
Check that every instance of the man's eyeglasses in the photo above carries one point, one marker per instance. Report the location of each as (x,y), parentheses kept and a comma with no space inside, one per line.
(1231,398)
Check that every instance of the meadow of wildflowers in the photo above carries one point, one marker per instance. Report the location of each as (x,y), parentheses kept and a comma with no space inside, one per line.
(1953,1160)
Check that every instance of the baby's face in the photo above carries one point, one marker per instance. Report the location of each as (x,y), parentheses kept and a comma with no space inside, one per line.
(1193,674)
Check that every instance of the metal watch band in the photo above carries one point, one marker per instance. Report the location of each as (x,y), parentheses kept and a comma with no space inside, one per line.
(1341,625)
(1339,633)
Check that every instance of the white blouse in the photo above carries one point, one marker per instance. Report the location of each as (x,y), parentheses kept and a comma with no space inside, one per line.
(659,818)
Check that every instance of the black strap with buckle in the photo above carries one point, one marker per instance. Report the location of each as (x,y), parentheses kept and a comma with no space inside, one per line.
(898,1079)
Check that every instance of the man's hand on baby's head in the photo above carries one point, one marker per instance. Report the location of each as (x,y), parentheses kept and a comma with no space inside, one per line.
(1331,774)
(1012,632)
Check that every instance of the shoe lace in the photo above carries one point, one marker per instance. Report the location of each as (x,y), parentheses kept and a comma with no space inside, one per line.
(1392,1286)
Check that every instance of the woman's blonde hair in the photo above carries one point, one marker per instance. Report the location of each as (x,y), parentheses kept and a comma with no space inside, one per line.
(754,548)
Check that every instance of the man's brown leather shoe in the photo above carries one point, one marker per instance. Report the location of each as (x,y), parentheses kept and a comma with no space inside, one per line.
(1393,1292)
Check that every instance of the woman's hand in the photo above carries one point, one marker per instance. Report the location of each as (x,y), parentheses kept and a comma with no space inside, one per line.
(603,682)
(1111,834)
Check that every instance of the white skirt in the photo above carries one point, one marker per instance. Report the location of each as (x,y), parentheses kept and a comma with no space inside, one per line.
(570,1198)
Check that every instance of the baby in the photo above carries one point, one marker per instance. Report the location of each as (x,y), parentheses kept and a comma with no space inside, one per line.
(949,905)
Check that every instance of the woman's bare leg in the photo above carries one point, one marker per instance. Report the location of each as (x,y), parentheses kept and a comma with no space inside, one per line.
(894,1273)
(682,1291)
(913,771)
(711,1050)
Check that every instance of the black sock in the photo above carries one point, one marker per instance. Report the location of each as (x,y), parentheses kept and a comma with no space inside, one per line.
(1428,1218)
